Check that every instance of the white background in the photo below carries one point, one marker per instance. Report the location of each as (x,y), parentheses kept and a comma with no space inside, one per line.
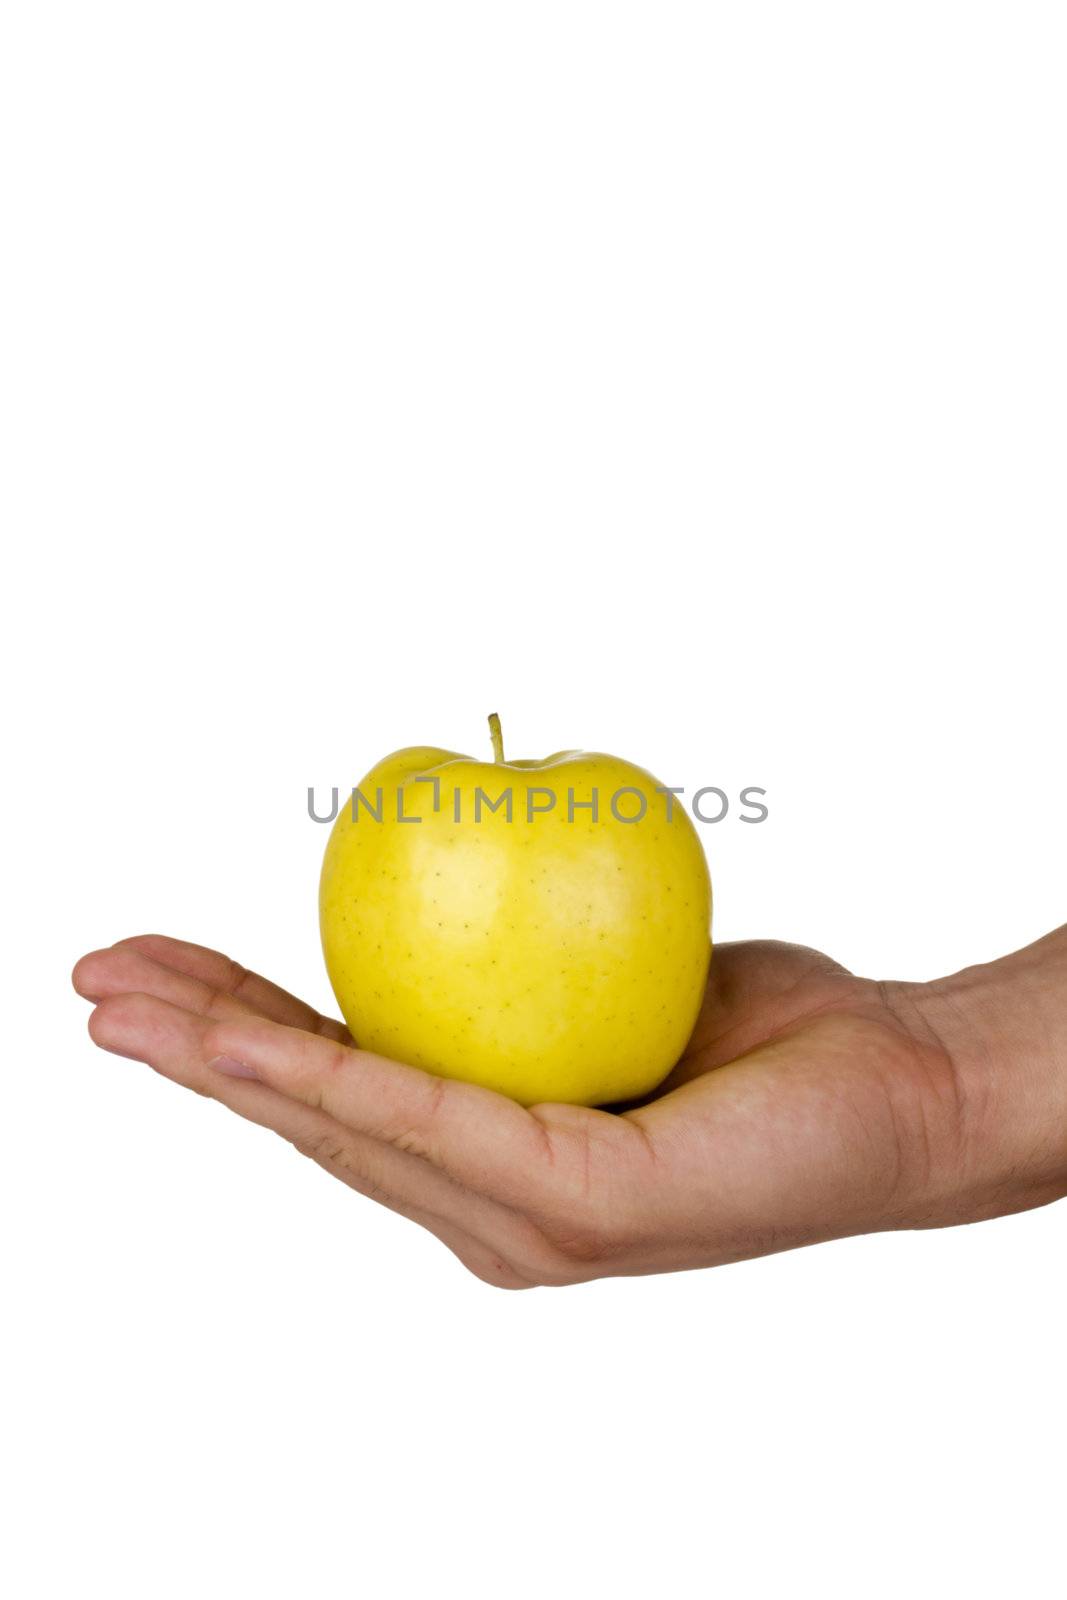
(681,380)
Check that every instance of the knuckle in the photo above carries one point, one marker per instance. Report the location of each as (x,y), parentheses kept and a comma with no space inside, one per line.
(313,1081)
(320,1147)
(223,1003)
(330,1028)
(236,977)
(334,1155)
(409,1142)
(585,1239)
(569,1250)
(436,1094)
(412,1131)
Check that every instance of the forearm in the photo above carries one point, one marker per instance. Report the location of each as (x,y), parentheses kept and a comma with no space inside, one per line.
(1004,1028)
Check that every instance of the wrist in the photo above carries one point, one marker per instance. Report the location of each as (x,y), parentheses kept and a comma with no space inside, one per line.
(1001,1030)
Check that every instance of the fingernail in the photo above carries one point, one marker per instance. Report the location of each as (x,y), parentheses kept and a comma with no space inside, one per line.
(233,1069)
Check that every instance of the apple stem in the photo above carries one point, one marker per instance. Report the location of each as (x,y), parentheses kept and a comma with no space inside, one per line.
(497,737)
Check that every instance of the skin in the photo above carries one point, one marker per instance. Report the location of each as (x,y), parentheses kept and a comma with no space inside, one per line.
(809,1105)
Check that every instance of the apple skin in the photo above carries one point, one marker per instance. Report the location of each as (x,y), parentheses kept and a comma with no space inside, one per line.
(551,960)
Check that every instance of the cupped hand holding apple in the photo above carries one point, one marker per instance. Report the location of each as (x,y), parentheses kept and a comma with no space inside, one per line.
(504,967)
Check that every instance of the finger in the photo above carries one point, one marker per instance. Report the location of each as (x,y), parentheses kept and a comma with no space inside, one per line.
(173,1041)
(484,1140)
(123,969)
(220,972)
(477,1255)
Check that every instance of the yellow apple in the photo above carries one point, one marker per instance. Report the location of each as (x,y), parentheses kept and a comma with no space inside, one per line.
(556,953)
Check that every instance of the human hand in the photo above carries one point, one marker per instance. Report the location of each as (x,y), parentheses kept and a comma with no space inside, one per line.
(809,1105)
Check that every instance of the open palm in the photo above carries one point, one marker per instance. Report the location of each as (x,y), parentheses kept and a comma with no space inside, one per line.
(809,1104)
